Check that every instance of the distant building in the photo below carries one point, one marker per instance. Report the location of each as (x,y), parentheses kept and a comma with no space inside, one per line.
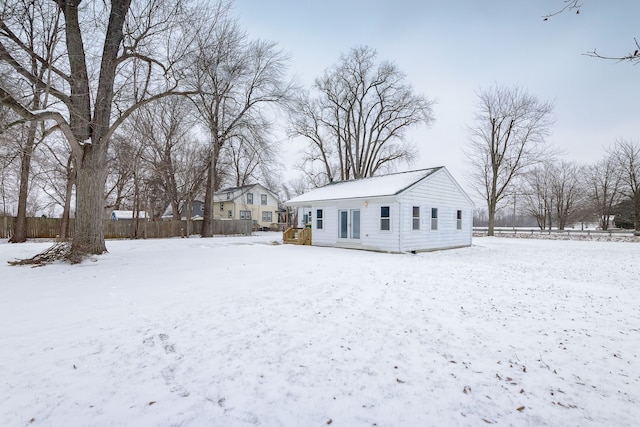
(254,202)
(197,211)
(117,215)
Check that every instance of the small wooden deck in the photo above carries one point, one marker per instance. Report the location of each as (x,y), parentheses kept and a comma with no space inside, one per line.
(297,236)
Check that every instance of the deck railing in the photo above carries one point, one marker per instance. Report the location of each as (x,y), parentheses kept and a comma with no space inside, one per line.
(297,236)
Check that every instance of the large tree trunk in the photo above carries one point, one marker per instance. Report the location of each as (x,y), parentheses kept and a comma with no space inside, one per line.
(91,177)
(20,226)
(492,218)
(207,214)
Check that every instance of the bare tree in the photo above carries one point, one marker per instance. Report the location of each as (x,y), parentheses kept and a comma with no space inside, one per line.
(136,55)
(627,155)
(164,131)
(355,126)
(237,79)
(567,189)
(632,56)
(507,139)
(603,184)
(56,165)
(37,25)
(539,198)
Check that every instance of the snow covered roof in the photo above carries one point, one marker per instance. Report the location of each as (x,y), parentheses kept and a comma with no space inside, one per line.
(235,192)
(377,186)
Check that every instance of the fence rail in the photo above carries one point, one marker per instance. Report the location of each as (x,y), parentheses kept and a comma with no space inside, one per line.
(567,232)
(49,228)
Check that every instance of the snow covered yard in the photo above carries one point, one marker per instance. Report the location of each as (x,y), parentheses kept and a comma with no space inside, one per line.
(241,331)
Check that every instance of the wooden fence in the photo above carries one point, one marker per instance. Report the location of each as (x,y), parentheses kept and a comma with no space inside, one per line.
(49,228)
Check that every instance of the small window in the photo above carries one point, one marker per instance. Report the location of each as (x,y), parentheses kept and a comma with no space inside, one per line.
(459,220)
(221,206)
(263,199)
(245,214)
(228,196)
(266,216)
(249,198)
(385,219)
(319,219)
(230,213)
(434,218)
(416,217)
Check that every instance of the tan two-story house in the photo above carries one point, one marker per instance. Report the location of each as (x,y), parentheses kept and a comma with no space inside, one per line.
(254,202)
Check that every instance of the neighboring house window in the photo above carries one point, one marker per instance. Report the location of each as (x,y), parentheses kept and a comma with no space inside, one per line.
(434,218)
(221,206)
(249,198)
(459,220)
(230,214)
(416,217)
(228,196)
(385,218)
(266,216)
(305,218)
(263,199)
(319,219)
(245,214)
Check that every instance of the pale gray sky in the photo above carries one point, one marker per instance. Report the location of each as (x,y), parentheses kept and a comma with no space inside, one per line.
(451,49)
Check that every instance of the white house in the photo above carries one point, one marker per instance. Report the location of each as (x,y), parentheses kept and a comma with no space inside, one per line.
(411,211)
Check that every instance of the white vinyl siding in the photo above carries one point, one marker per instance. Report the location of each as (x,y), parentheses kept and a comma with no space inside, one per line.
(441,192)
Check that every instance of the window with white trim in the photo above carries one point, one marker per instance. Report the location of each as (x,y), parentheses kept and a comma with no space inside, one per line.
(385,218)
(245,214)
(263,199)
(434,218)
(459,220)
(249,198)
(221,206)
(319,219)
(230,213)
(266,216)
(415,215)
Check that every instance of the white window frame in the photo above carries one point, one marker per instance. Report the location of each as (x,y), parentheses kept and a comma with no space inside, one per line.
(459,219)
(249,198)
(319,219)
(415,219)
(245,214)
(263,199)
(268,217)
(434,219)
(222,206)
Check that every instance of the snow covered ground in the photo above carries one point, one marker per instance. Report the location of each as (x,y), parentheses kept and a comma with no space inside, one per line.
(243,331)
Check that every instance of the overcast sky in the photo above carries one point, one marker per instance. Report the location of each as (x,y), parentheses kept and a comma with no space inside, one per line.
(450,50)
